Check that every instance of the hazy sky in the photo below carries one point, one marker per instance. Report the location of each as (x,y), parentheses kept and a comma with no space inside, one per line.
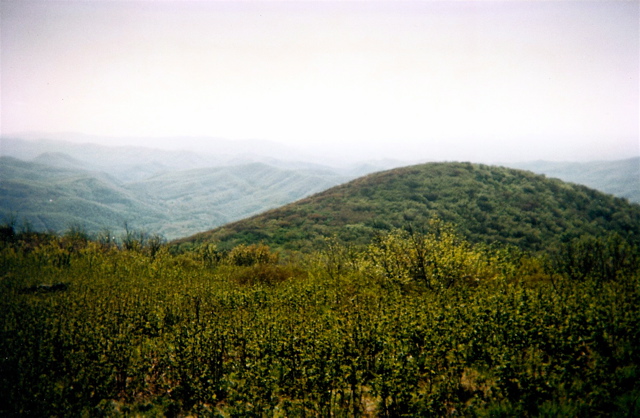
(477,81)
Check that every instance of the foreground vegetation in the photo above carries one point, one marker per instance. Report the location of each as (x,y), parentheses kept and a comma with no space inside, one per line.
(411,324)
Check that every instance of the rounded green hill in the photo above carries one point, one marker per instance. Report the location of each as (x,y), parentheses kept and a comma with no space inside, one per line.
(485,203)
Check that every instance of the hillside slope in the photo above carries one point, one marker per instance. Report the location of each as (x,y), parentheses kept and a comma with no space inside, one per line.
(486,203)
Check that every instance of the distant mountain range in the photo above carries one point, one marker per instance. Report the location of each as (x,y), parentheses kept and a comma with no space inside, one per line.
(173,203)
(54,185)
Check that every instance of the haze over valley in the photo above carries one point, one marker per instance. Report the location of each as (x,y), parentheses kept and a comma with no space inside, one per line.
(53,185)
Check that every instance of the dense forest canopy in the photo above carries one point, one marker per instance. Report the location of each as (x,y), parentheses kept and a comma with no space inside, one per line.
(486,203)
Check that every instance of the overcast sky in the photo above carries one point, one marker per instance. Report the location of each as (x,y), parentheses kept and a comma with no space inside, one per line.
(478,81)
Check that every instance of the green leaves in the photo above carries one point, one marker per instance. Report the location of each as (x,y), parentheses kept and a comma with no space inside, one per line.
(437,260)
(608,258)
(414,324)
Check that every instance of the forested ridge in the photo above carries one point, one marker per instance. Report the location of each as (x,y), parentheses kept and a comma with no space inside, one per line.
(486,203)
(416,310)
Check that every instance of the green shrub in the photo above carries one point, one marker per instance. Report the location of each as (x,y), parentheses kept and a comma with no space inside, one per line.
(266,274)
(249,255)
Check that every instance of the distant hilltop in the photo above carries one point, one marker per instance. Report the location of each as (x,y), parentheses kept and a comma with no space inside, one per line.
(486,203)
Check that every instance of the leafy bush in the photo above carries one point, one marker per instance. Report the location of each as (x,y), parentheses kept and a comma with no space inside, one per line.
(438,259)
(249,255)
(266,274)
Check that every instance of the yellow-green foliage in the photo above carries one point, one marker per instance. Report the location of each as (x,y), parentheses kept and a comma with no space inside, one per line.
(438,259)
(410,325)
(249,255)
